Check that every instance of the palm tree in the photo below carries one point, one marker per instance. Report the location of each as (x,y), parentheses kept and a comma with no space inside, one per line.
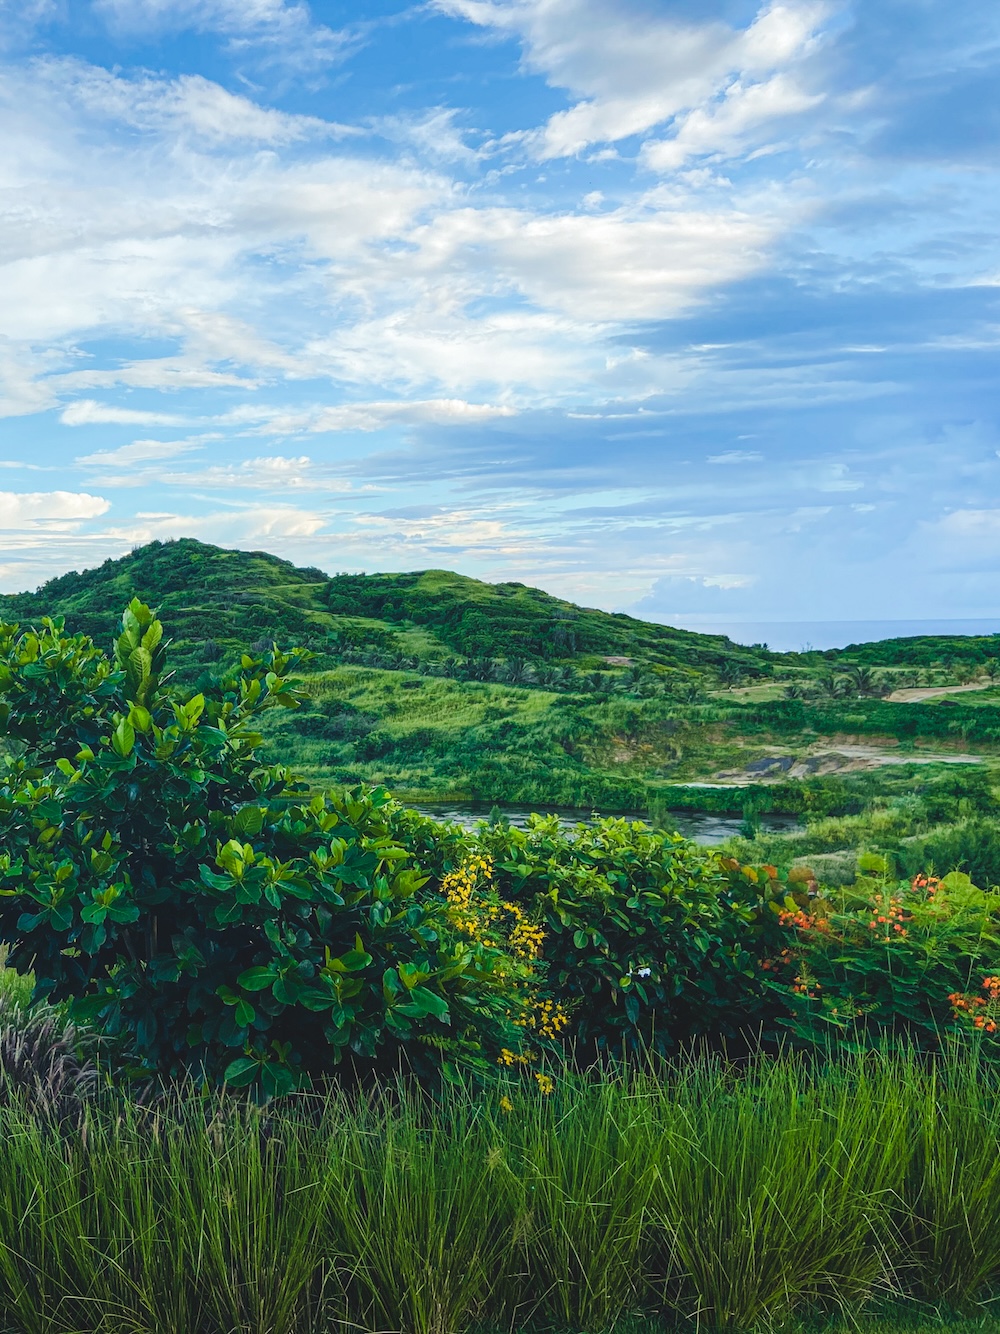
(516,672)
(730,673)
(864,680)
(829,685)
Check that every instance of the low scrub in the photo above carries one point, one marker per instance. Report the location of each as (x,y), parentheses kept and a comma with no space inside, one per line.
(212,918)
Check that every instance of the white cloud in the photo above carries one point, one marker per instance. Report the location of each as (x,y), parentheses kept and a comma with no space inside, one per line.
(736,456)
(139,451)
(278,267)
(471,533)
(19,17)
(633,70)
(433,134)
(88,412)
(427,340)
(630,264)
(372,416)
(26,509)
(724,127)
(271,472)
(280,29)
(156,373)
(234,527)
(188,104)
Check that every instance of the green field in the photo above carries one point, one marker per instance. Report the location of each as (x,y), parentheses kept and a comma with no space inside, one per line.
(446,688)
(300,1061)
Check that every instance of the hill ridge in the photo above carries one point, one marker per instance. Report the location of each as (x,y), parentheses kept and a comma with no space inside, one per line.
(205,592)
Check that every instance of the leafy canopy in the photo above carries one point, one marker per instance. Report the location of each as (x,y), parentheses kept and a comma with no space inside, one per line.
(199,903)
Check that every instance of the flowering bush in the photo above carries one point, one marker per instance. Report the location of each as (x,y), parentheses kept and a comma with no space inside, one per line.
(641,941)
(980,1010)
(884,958)
(202,905)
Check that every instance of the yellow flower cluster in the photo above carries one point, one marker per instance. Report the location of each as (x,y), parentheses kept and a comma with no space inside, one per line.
(505,1104)
(545,1082)
(549,1019)
(458,887)
(526,939)
(510,1058)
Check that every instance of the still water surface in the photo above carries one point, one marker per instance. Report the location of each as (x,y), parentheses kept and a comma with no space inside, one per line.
(701,826)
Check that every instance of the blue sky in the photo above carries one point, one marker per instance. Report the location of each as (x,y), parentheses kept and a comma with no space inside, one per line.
(689,309)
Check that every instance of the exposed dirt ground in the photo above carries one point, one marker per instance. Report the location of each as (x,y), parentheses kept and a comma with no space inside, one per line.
(913,694)
(825,758)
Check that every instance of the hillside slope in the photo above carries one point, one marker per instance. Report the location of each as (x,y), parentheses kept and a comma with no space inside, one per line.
(447,687)
(230,598)
(510,619)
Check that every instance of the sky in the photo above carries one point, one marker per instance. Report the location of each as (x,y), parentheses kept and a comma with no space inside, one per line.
(687,308)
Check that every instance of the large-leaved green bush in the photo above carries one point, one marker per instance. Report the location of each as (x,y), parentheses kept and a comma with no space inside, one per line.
(204,906)
(644,944)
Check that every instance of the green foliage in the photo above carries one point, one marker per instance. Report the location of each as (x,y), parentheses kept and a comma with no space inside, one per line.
(511,620)
(463,689)
(643,945)
(778,1188)
(924,650)
(199,904)
(438,738)
(203,592)
(879,960)
(744,1198)
(953,1235)
(971,845)
(962,722)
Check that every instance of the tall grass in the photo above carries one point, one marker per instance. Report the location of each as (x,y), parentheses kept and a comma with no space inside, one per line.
(735,1197)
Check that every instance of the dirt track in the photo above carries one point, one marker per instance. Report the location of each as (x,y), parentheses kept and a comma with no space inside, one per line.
(913,694)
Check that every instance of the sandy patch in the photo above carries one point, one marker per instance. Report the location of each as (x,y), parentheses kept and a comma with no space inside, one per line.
(913,694)
(832,760)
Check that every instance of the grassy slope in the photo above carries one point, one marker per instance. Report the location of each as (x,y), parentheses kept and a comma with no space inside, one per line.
(581,744)
(475,618)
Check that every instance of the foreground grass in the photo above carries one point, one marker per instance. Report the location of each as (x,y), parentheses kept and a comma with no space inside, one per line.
(732,1199)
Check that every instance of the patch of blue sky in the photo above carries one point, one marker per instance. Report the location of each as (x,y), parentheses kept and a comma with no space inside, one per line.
(688,307)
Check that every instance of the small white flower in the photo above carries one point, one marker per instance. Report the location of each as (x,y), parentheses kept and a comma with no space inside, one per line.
(643,972)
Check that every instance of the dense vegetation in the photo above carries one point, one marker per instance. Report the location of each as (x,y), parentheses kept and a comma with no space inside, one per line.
(511,620)
(695,1196)
(483,1085)
(204,909)
(443,687)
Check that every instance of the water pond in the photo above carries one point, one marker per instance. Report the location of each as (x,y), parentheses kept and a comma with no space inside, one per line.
(704,827)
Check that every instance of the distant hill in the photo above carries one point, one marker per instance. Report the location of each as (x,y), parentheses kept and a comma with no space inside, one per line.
(212,599)
(506,620)
(924,650)
(446,687)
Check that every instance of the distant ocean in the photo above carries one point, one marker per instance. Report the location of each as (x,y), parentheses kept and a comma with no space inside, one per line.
(794,636)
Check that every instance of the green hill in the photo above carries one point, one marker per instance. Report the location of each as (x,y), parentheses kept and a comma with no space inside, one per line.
(446,687)
(231,598)
(204,592)
(512,620)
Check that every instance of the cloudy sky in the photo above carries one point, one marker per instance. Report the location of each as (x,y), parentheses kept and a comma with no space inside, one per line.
(685,307)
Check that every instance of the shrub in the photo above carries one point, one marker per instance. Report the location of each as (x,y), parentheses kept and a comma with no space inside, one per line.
(880,959)
(643,942)
(198,903)
(972,846)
